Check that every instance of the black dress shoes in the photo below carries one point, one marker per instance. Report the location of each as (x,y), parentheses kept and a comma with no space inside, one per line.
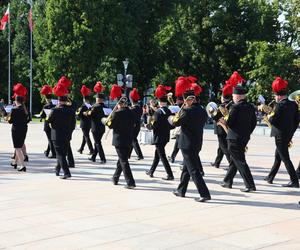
(71,166)
(129,186)
(64,177)
(268,179)
(14,165)
(46,153)
(114,181)
(102,161)
(148,172)
(23,169)
(291,184)
(226,185)
(203,199)
(79,151)
(177,193)
(92,159)
(215,165)
(56,173)
(168,178)
(248,190)
(139,158)
(171,159)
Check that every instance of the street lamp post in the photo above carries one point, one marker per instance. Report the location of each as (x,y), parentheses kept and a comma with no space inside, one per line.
(125,80)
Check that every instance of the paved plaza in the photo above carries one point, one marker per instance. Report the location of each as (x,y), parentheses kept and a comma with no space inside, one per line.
(40,211)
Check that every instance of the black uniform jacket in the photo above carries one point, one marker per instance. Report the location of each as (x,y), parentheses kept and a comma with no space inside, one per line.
(161,126)
(62,121)
(192,121)
(285,120)
(85,121)
(44,116)
(97,114)
(241,121)
(138,111)
(122,123)
(18,117)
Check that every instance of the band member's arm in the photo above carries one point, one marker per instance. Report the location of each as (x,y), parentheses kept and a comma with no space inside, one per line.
(232,116)
(50,117)
(11,116)
(274,118)
(114,121)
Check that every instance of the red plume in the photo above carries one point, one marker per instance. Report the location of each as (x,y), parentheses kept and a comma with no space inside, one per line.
(235,79)
(181,85)
(134,95)
(98,88)
(115,92)
(227,89)
(65,81)
(279,84)
(60,90)
(161,91)
(19,90)
(46,90)
(85,91)
(197,89)
(192,79)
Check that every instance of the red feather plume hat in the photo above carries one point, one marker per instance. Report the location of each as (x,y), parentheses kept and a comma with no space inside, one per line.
(235,79)
(85,91)
(279,86)
(60,90)
(19,90)
(196,88)
(227,90)
(46,90)
(98,88)
(65,81)
(134,95)
(161,91)
(192,79)
(115,92)
(182,84)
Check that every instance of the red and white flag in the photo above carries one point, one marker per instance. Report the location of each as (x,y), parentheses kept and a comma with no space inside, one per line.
(5,19)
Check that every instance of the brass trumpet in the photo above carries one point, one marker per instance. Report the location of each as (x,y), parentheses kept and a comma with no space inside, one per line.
(213,109)
(170,98)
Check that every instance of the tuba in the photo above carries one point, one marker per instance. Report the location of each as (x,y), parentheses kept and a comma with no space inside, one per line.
(266,109)
(213,109)
(295,96)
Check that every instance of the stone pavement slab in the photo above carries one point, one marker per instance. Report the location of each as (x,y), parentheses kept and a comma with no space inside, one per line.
(40,211)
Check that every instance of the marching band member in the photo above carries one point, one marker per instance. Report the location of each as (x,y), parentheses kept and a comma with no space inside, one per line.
(47,92)
(136,108)
(19,117)
(122,121)
(219,130)
(85,121)
(284,123)
(98,129)
(241,122)
(192,119)
(62,122)
(161,131)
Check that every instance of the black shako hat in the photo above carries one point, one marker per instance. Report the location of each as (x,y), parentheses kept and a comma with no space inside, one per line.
(239,90)
(63,98)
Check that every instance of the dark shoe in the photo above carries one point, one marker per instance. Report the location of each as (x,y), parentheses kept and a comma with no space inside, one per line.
(171,159)
(45,153)
(92,159)
(129,186)
(268,179)
(79,151)
(139,158)
(56,173)
(248,190)
(65,176)
(102,161)
(14,165)
(23,169)
(72,166)
(177,193)
(291,184)
(215,165)
(226,185)
(114,181)
(203,199)
(26,158)
(149,173)
(168,178)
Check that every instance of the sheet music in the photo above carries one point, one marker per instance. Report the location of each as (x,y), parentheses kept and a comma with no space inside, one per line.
(174,109)
(88,105)
(54,101)
(107,111)
(8,108)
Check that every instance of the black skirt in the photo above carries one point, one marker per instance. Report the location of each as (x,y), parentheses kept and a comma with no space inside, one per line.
(18,135)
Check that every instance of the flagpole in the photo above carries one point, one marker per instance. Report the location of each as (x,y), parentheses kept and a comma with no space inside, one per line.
(9,80)
(30,74)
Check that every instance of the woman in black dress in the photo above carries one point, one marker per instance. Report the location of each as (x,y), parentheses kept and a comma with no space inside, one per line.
(19,118)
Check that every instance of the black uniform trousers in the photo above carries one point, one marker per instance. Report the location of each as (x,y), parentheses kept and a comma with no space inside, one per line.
(282,154)
(98,149)
(238,162)
(175,149)
(123,166)
(191,168)
(50,147)
(70,157)
(86,140)
(222,150)
(61,149)
(160,153)
(136,146)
